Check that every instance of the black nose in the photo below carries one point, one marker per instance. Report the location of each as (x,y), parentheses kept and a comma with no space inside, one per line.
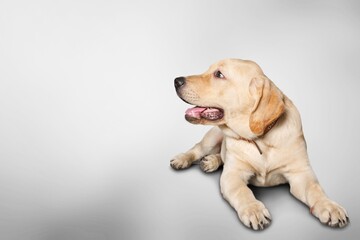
(178,82)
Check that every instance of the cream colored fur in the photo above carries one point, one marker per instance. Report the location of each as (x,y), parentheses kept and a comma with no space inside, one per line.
(251,102)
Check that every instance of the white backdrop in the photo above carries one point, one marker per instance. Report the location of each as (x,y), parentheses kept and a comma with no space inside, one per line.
(89,118)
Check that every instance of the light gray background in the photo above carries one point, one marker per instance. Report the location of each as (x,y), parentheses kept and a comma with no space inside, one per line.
(89,118)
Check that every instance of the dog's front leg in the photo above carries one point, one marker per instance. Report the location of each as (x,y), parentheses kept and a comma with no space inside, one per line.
(305,187)
(233,184)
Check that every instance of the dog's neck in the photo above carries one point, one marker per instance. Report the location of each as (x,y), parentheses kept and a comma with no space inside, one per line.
(232,134)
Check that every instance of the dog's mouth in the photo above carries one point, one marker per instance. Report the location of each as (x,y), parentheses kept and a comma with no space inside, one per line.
(208,113)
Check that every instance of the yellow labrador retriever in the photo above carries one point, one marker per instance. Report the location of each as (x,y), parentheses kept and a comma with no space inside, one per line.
(258,138)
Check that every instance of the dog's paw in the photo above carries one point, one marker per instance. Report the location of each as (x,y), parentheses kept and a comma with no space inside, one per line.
(255,216)
(181,161)
(330,213)
(210,163)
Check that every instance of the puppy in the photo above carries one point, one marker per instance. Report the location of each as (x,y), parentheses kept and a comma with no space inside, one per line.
(257,137)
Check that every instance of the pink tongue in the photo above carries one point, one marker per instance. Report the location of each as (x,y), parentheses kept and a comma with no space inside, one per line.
(195,112)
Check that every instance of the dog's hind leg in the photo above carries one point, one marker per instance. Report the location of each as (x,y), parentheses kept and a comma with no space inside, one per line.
(209,145)
(211,163)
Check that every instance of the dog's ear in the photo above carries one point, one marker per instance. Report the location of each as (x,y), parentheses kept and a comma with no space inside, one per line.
(269,104)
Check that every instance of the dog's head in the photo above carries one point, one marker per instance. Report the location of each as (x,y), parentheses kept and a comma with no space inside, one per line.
(232,92)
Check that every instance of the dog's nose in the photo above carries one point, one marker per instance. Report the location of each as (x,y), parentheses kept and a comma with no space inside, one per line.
(178,82)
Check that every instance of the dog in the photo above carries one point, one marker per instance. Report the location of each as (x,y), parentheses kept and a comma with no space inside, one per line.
(257,137)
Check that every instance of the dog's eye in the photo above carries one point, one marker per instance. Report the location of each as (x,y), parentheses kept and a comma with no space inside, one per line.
(218,74)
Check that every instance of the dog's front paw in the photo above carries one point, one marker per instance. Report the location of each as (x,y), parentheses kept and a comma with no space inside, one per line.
(181,161)
(330,213)
(210,163)
(255,216)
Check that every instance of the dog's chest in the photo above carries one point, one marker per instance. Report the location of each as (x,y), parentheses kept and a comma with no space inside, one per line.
(265,167)
(267,179)
(266,173)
